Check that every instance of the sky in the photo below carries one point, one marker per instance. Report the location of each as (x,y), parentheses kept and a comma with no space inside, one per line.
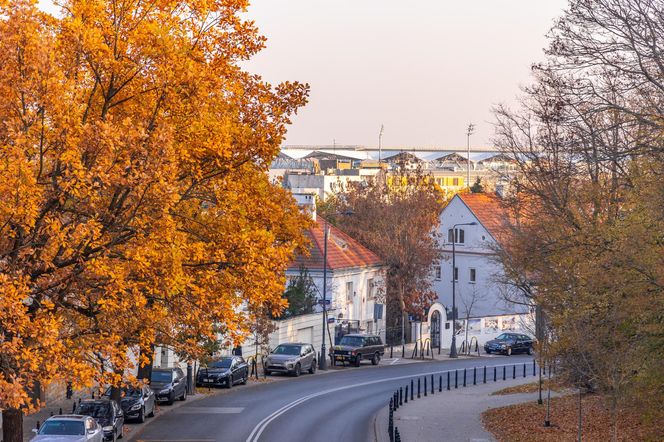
(422,68)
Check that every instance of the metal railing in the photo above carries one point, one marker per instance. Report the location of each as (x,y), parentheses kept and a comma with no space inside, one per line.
(454,379)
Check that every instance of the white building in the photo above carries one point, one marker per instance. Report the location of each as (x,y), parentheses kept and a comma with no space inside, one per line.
(354,290)
(482,311)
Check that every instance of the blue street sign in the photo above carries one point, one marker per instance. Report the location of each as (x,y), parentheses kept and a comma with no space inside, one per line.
(327,302)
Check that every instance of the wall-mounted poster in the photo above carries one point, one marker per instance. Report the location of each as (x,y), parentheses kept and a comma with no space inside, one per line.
(490,325)
(474,325)
(508,323)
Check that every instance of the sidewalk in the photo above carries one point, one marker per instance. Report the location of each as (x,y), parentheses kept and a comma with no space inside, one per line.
(452,416)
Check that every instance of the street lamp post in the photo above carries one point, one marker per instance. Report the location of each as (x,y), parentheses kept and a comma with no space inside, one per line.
(453,350)
(322,362)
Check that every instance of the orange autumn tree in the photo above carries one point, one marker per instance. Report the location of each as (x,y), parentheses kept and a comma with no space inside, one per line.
(134,204)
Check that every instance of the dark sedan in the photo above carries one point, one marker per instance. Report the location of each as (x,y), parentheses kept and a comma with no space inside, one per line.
(107,413)
(137,403)
(225,372)
(510,343)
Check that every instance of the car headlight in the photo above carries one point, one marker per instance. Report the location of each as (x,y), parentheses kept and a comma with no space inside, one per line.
(165,391)
(503,345)
(110,428)
(135,407)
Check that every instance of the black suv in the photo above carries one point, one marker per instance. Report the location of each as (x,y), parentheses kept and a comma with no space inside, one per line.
(168,384)
(355,347)
(108,414)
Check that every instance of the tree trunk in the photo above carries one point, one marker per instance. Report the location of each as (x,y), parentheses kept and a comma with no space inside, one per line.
(580,426)
(614,418)
(12,425)
(145,371)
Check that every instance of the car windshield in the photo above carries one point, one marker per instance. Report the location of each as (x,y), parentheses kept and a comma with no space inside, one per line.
(161,376)
(223,363)
(287,350)
(352,341)
(62,428)
(94,409)
(505,337)
(126,392)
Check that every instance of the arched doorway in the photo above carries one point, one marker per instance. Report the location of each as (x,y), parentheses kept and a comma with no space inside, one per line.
(435,329)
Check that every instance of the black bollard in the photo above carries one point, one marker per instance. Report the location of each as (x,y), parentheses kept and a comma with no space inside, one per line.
(514,372)
(534,368)
(425,386)
(51,414)
(392,403)
(485,374)
(397,436)
(391,351)
(37,425)
(440,383)
(504,372)
(390,425)
(524,370)
(456,378)
(418,388)
(73,407)
(432,384)
(448,381)
(400,396)
(406,398)
(464,377)
(474,375)
(60,410)
(412,389)
(396,400)
(494,374)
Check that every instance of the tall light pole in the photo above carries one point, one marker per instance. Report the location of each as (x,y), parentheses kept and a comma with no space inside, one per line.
(380,144)
(469,132)
(453,350)
(322,361)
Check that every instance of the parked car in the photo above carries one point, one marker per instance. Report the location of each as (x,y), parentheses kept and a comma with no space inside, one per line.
(107,413)
(355,347)
(292,358)
(69,428)
(223,372)
(137,403)
(168,384)
(509,343)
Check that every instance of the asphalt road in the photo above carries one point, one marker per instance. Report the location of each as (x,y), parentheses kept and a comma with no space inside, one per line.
(335,406)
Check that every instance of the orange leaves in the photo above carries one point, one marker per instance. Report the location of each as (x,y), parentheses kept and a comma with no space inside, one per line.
(134,207)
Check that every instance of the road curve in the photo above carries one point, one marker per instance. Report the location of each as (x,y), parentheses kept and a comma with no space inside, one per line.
(335,406)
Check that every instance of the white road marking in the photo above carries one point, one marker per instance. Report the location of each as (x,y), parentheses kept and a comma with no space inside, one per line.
(394,361)
(255,434)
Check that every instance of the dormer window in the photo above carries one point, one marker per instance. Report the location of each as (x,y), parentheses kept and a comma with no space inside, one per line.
(456,235)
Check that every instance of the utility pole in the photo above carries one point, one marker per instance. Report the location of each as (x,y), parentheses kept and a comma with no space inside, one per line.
(469,132)
(380,144)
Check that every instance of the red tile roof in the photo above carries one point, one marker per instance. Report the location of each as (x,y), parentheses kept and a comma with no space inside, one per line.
(491,213)
(343,252)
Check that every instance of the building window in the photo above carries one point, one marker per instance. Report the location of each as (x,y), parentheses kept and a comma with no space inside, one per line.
(370,290)
(460,236)
(473,275)
(456,273)
(437,272)
(349,292)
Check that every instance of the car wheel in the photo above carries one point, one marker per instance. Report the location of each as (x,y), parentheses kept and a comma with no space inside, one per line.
(298,370)
(171,399)
(141,415)
(151,412)
(509,351)
(229,382)
(267,372)
(184,395)
(375,359)
(312,369)
(487,352)
(245,379)
(358,359)
(530,351)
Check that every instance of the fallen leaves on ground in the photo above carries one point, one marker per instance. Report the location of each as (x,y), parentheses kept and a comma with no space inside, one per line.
(528,388)
(525,422)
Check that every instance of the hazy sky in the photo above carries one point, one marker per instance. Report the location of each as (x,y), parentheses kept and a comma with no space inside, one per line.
(423,68)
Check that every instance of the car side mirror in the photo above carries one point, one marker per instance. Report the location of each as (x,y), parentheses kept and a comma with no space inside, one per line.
(34,430)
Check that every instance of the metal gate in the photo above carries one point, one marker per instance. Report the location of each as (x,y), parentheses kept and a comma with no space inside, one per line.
(435,329)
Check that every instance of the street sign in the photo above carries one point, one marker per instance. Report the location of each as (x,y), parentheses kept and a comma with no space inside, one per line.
(331,320)
(327,302)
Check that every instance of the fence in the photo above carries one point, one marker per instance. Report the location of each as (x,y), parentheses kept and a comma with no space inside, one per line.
(454,379)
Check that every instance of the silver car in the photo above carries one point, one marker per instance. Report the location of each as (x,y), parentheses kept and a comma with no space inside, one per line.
(292,359)
(69,428)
